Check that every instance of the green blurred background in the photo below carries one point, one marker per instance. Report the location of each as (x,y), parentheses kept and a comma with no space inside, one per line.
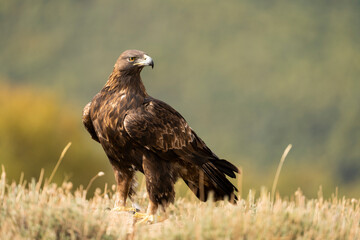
(250,77)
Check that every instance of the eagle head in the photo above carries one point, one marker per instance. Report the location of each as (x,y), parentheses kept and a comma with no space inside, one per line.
(133,60)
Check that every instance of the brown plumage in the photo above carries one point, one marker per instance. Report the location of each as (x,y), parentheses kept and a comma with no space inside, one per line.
(141,133)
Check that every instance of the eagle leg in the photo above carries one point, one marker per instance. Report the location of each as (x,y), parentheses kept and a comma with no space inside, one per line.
(160,179)
(124,181)
(149,216)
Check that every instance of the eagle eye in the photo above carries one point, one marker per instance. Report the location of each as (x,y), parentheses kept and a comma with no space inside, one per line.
(131,59)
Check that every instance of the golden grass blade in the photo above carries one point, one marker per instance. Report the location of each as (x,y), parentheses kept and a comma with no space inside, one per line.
(58,162)
(99,174)
(105,189)
(21,178)
(240,182)
(38,184)
(2,182)
(287,150)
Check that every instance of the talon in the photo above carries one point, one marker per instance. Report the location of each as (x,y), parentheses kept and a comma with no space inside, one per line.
(124,209)
(140,215)
(145,218)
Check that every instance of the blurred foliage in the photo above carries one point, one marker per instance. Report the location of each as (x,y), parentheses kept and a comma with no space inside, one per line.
(34,129)
(249,76)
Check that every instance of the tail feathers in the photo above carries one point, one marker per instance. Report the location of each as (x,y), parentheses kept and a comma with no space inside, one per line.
(225,167)
(218,178)
(214,181)
(216,196)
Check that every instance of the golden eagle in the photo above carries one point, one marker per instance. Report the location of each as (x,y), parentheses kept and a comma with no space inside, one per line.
(141,133)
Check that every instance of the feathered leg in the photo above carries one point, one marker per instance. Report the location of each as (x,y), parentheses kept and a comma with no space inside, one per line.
(160,178)
(124,182)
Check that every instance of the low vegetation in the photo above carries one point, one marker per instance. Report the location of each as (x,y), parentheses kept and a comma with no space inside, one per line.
(43,210)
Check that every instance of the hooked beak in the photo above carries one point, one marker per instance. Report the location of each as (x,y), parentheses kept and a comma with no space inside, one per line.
(146,61)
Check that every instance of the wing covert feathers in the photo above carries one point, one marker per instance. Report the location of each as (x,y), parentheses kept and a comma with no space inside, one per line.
(163,131)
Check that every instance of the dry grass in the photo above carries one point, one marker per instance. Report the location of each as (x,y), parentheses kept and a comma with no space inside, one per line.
(36,211)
